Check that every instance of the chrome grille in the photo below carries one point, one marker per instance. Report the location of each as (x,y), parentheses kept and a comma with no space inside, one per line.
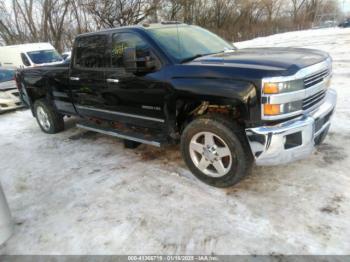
(312,93)
(310,81)
(314,100)
(315,78)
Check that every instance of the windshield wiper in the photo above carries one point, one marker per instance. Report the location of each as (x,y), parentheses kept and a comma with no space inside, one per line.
(188,59)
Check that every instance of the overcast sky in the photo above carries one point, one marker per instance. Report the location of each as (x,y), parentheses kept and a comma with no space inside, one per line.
(344,4)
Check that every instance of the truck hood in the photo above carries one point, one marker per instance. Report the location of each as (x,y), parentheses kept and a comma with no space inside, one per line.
(289,60)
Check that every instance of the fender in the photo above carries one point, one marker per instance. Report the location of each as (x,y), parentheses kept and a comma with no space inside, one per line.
(216,84)
(217,91)
(34,84)
(43,82)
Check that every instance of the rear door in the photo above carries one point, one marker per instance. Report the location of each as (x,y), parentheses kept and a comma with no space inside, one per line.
(87,74)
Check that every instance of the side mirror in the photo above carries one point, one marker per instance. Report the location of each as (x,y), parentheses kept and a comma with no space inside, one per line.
(137,65)
(129,59)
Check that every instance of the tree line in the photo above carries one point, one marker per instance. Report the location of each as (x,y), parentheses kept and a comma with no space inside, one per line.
(59,21)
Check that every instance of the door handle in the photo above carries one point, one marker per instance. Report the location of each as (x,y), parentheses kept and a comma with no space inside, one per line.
(111,80)
(73,78)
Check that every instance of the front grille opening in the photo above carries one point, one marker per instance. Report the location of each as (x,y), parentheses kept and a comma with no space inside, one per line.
(315,78)
(293,140)
(320,122)
(320,138)
(313,100)
(3,105)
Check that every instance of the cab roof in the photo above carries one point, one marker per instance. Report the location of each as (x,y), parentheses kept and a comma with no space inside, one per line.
(144,26)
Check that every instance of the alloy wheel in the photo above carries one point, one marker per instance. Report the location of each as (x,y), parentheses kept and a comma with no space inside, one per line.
(43,118)
(210,154)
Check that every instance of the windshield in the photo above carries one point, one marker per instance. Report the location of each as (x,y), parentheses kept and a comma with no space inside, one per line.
(6,75)
(186,42)
(44,56)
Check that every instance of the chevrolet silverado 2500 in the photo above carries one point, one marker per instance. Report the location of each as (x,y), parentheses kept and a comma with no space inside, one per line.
(177,83)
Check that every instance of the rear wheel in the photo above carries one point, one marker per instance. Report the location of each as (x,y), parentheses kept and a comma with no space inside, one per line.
(49,120)
(216,151)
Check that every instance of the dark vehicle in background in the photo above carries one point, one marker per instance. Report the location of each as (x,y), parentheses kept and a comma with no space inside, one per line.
(9,95)
(345,24)
(175,83)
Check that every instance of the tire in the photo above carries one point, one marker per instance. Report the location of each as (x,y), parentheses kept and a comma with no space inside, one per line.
(229,143)
(49,120)
(131,144)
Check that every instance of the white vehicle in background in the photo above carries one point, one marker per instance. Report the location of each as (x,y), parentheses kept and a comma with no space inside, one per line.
(29,55)
(9,95)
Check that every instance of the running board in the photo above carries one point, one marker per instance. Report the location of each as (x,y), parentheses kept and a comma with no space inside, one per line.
(112,132)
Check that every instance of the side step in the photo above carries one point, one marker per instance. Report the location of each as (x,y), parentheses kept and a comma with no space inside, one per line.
(137,137)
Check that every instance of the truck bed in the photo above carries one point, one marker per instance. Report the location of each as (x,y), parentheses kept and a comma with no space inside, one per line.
(47,82)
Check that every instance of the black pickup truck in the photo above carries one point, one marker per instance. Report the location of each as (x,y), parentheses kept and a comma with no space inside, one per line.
(176,83)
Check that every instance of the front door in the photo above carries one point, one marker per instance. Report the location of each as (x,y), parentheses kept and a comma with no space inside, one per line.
(87,74)
(134,95)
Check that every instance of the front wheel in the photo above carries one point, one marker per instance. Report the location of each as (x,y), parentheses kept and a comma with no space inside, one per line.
(216,151)
(49,120)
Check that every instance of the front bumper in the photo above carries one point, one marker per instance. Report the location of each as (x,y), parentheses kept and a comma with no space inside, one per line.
(12,102)
(294,139)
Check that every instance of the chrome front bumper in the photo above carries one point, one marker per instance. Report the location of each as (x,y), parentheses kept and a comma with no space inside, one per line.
(294,139)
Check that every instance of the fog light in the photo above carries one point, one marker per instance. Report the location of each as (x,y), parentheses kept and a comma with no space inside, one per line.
(271,110)
(293,140)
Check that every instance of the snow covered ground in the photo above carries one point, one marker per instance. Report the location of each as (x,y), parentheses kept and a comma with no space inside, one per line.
(79,192)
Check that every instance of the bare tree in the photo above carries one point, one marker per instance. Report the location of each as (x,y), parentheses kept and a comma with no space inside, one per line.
(297,6)
(172,9)
(112,13)
(59,21)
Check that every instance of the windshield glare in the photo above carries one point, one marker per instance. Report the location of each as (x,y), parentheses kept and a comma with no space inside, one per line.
(184,42)
(6,75)
(44,56)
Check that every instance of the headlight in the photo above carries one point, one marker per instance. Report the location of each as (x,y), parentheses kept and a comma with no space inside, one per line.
(283,87)
(4,95)
(275,88)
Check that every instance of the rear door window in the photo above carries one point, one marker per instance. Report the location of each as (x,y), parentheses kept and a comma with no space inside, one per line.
(90,52)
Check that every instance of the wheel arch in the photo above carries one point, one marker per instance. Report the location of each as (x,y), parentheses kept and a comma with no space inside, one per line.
(191,93)
(189,109)
(36,91)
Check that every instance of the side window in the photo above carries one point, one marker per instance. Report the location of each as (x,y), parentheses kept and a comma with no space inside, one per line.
(125,40)
(90,52)
(25,60)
